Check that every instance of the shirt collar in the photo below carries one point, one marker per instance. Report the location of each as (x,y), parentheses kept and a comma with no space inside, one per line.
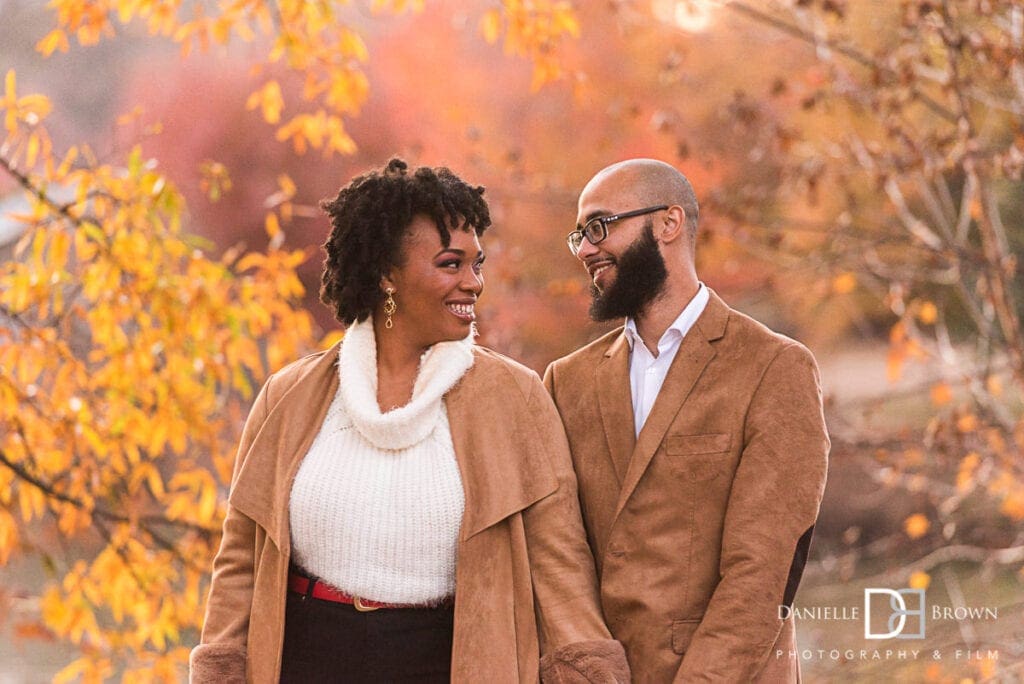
(680,326)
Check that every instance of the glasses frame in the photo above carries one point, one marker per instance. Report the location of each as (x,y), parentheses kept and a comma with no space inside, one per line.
(603,221)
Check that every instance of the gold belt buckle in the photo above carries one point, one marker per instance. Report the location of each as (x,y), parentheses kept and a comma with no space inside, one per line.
(361,607)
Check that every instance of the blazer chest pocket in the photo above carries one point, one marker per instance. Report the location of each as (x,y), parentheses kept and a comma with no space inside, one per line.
(698,457)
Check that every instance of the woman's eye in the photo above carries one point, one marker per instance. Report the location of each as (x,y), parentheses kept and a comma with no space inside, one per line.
(478,266)
(452,263)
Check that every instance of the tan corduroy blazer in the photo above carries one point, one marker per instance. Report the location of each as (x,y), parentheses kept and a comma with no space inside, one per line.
(700,527)
(525,582)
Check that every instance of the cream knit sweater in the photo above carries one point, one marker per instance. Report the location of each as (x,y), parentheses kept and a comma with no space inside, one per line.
(377,503)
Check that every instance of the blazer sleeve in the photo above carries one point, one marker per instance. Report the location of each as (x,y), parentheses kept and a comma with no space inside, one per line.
(575,643)
(221,654)
(772,508)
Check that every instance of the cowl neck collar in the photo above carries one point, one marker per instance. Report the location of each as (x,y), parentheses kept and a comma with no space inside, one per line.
(441,366)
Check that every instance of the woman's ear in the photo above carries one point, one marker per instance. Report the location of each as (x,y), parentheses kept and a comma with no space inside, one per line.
(386,283)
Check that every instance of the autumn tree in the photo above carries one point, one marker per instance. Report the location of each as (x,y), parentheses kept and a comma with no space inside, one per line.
(896,180)
(129,350)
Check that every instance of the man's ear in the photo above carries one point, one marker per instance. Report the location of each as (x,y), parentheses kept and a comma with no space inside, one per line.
(672,226)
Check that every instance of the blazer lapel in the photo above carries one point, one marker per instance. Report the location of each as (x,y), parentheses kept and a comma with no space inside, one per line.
(615,400)
(695,352)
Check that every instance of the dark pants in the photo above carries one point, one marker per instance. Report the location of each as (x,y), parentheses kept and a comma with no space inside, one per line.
(333,642)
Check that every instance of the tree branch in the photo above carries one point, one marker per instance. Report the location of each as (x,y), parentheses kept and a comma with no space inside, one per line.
(842,48)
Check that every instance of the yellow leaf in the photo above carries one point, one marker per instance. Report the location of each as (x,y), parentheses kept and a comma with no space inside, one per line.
(490,25)
(8,535)
(544,71)
(52,41)
(565,20)
(287,185)
(32,153)
(72,672)
(353,46)
(155,482)
(330,339)
(10,88)
(916,526)
(222,30)
(253,259)
(269,100)
(207,503)
(272,226)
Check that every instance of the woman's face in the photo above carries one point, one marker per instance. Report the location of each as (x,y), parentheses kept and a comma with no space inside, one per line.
(436,287)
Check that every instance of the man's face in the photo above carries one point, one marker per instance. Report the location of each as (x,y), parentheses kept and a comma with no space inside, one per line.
(627,269)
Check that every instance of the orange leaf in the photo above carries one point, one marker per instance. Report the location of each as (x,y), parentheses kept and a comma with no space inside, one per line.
(967,423)
(920,580)
(916,526)
(928,313)
(844,283)
(941,394)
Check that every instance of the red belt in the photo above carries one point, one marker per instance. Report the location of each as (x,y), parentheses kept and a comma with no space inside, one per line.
(325,592)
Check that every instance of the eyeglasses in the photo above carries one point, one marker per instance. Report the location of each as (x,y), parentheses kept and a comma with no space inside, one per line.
(596,229)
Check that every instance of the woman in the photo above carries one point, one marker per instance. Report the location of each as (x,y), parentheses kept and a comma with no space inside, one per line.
(403,505)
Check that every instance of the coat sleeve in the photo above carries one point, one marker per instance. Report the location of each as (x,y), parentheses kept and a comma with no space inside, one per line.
(575,643)
(221,654)
(772,508)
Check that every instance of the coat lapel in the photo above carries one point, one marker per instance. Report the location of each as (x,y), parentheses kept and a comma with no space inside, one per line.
(615,400)
(695,352)
(263,487)
(489,428)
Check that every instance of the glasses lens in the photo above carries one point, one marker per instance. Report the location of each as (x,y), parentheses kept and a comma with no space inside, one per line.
(575,239)
(595,231)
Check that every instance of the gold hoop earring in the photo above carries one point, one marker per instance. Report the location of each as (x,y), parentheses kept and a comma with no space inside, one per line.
(390,307)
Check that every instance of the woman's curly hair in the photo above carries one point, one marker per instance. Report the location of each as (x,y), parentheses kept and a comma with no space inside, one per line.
(370,218)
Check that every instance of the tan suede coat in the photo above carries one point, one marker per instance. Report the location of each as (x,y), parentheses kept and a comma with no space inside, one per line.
(521,522)
(700,526)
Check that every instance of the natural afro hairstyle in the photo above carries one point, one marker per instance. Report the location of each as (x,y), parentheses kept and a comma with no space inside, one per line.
(371,216)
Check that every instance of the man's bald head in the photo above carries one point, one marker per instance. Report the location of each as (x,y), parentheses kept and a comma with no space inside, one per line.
(653,182)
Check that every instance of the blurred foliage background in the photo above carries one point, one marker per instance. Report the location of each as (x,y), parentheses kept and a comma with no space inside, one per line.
(859,168)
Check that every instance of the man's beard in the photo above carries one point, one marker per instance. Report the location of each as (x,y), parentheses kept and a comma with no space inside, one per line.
(640,278)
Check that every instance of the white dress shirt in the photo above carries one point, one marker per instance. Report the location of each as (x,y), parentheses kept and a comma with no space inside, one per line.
(646,371)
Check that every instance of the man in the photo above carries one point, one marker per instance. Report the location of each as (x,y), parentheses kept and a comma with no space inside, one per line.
(699,443)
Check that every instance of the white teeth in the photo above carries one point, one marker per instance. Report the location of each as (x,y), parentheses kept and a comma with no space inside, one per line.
(600,269)
(461,309)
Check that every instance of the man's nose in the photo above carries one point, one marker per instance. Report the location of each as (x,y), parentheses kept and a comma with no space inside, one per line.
(586,249)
